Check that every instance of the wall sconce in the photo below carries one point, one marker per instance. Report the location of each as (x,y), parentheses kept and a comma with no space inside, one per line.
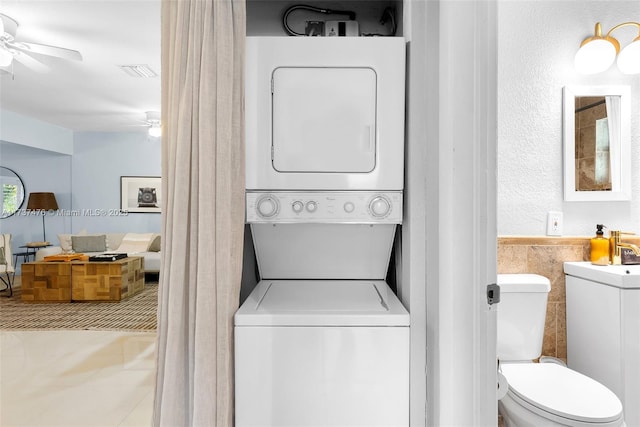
(597,53)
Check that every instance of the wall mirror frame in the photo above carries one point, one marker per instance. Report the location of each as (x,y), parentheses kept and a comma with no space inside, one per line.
(618,139)
(12,192)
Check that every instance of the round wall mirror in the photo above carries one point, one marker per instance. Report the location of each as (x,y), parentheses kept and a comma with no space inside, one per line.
(12,192)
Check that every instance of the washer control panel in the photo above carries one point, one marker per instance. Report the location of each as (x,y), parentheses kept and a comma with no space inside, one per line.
(326,207)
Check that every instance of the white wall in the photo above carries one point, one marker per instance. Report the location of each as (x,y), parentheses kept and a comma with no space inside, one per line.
(24,130)
(99,160)
(40,171)
(420,149)
(537,43)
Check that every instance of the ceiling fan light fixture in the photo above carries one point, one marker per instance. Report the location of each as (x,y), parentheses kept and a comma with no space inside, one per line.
(5,57)
(11,49)
(153,119)
(155,130)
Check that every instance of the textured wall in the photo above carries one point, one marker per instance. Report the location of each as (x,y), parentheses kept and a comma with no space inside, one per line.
(537,41)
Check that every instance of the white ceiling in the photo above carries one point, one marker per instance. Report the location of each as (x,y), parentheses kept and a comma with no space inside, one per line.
(95,94)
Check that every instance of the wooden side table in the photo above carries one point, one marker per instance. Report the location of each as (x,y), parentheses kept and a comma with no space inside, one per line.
(46,282)
(32,248)
(107,281)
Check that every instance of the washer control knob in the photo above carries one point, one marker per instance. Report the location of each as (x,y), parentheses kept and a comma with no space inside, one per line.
(312,206)
(349,207)
(379,207)
(267,206)
(297,206)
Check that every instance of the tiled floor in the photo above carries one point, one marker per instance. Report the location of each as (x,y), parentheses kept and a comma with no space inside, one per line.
(76,378)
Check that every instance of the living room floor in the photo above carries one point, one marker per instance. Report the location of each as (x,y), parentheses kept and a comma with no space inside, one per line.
(76,378)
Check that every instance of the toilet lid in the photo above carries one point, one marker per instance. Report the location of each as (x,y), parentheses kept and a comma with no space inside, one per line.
(561,391)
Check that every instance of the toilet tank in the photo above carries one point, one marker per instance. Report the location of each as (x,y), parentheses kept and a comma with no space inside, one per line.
(521,316)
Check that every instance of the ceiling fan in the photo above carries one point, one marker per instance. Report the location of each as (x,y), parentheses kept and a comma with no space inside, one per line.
(11,49)
(152,122)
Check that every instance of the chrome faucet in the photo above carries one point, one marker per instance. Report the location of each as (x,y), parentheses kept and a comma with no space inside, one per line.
(615,247)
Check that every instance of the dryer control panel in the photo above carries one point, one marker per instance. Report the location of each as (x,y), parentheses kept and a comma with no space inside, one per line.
(357,207)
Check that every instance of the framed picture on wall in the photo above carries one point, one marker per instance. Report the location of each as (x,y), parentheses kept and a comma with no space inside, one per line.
(140,194)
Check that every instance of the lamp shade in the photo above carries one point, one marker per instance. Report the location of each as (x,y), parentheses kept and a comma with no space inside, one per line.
(42,201)
(629,58)
(595,56)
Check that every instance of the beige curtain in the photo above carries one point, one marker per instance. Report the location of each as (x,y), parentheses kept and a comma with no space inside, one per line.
(203,209)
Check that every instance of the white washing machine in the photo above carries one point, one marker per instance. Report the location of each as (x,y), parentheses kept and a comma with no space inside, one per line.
(322,353)
(322,340)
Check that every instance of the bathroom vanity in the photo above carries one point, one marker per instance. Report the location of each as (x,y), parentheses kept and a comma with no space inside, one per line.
(603,328)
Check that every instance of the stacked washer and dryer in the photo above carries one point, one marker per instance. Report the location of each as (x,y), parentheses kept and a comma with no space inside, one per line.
(322,340)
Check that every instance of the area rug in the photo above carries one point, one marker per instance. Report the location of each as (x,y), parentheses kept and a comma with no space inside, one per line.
(137,313)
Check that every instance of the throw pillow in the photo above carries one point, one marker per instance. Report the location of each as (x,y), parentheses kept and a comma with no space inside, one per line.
(155,244)
(135,242)
(65,243)
(89,243)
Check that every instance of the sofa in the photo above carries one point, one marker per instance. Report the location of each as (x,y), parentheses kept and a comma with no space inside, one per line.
(146,245)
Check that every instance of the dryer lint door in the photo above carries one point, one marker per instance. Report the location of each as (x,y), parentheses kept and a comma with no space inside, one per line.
(324,119)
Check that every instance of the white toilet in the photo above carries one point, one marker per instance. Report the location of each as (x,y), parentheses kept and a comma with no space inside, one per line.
(542,394)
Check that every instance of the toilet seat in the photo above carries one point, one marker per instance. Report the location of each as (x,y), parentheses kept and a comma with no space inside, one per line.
(561,392)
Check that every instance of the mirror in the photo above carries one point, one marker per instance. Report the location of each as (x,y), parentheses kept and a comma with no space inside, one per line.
(597,152)
(12,192)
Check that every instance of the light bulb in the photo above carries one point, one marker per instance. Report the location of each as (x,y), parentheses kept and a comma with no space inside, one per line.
(595,56)
(5,57)
(629,58)
(155,131)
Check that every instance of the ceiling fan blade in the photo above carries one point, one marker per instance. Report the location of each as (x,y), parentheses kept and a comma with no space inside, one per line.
(44,49)
(30,62)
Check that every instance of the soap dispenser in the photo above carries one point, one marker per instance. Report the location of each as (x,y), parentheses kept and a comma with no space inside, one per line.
(600,248)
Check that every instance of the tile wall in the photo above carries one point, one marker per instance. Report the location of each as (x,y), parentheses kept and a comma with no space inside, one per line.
(545,256)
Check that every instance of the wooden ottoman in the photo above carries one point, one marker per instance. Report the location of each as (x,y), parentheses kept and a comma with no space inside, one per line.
(107,280)
(46,282)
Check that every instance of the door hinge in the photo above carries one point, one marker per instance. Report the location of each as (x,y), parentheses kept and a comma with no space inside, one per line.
(493,294)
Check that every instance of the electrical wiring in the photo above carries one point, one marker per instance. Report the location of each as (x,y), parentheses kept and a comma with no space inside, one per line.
(285,16)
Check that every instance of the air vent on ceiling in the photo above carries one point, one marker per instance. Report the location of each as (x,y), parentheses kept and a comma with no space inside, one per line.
(139,70)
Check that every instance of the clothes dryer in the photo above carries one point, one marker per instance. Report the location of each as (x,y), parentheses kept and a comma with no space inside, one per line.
(324,113)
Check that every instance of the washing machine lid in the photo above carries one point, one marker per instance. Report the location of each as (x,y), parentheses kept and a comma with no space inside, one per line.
(322,303)
(563,392)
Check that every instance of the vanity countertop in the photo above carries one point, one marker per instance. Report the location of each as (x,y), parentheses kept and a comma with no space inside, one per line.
(620,276)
